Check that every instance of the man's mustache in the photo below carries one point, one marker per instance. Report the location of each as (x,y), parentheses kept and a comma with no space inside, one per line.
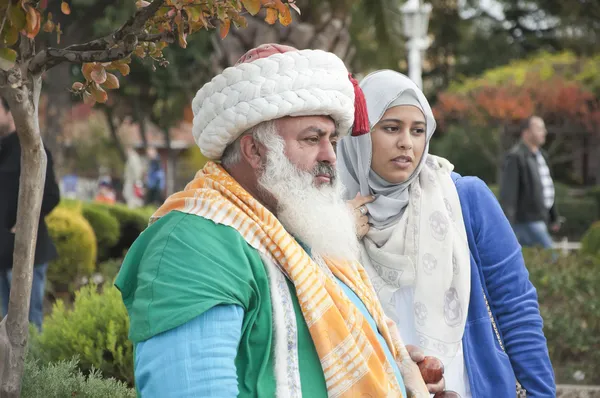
(326,169)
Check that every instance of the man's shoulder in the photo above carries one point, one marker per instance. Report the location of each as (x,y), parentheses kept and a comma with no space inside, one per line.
(197,233)
(517,150)
(186,244)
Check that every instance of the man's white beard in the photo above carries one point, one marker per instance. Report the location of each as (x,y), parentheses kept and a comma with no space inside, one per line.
(316,216)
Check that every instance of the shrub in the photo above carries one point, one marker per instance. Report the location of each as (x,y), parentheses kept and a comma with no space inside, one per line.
(95,330)
(590,244)
(580,214)
(76,245)
(63,379)
(131,222)
(105,226)
(570,306)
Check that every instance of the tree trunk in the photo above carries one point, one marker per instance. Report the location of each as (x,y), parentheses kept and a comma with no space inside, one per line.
(23,99)
(108,111)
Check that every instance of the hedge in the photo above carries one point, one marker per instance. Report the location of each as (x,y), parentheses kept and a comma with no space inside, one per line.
(64,379)
(131,224)
(106,228)
(570,306)
(590,244)
(76,244)
(95,329)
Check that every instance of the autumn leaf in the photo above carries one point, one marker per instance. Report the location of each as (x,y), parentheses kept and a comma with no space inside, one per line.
(86,70)
(140,52)
(10,36)
(224,29)
(240,21)
(88,99)
(112,82)
(64,7)
(98,93)
(98,74)
(17,16)
(181,39)
(285,16)
(271,17)
(8,57)
(123,69)
(253,6)
(33,22)
(49,26)
(58,33)
(295,7)
(142,4)
(77,86)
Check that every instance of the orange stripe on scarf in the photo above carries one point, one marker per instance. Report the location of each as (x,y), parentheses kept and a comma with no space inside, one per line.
(353,361)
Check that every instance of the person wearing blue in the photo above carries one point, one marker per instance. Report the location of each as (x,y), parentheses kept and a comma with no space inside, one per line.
(155,179)
(442,256)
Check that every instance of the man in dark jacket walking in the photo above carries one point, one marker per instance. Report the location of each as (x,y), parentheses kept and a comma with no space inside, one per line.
(527,189)
(45,251)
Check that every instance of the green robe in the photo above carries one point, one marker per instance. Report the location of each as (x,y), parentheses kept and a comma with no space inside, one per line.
(182,266)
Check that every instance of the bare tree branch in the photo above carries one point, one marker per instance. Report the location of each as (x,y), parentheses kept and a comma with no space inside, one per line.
(136,23)
(109,48)
(50,57)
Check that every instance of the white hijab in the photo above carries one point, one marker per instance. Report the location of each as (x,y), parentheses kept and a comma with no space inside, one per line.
(418,239)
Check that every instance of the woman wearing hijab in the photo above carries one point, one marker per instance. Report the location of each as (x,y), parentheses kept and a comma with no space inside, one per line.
(438,249)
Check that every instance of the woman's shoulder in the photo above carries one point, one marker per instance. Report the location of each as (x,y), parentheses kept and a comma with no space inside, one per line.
(474,191)
(469,184)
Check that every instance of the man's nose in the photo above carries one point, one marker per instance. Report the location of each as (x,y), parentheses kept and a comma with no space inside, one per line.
(327,153)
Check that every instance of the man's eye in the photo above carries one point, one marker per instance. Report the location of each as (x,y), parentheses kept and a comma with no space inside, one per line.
(312,140)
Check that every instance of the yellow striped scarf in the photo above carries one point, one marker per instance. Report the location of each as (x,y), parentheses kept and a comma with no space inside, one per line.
(352,359)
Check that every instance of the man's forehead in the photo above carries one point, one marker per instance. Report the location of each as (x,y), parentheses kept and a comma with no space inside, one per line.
(298,124)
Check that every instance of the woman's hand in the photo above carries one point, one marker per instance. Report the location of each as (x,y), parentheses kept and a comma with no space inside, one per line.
(360,212)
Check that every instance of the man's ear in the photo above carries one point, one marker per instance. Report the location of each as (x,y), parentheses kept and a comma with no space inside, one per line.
(252,151)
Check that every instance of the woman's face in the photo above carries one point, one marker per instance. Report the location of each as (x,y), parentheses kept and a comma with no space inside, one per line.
(398,143)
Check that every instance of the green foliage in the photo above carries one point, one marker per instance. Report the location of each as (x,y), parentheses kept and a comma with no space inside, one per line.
(543,65)
(95,330)
(467,158)
(590,244)
(570,306)
(76,245)
(105,226)
(94,148)
(63,379)
(580,214)
(131,223)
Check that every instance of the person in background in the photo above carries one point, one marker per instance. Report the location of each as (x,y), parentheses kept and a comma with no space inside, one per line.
(443,259)
(45,251)
(106,193)
(132,179)
(527,191)
(155,179)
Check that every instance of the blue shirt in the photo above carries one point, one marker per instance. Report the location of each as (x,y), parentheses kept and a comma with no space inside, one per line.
(197,359)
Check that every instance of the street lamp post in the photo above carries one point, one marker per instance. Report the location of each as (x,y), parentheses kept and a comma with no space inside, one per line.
(415,18)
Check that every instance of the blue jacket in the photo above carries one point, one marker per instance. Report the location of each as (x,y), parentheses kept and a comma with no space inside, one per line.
(497,267)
